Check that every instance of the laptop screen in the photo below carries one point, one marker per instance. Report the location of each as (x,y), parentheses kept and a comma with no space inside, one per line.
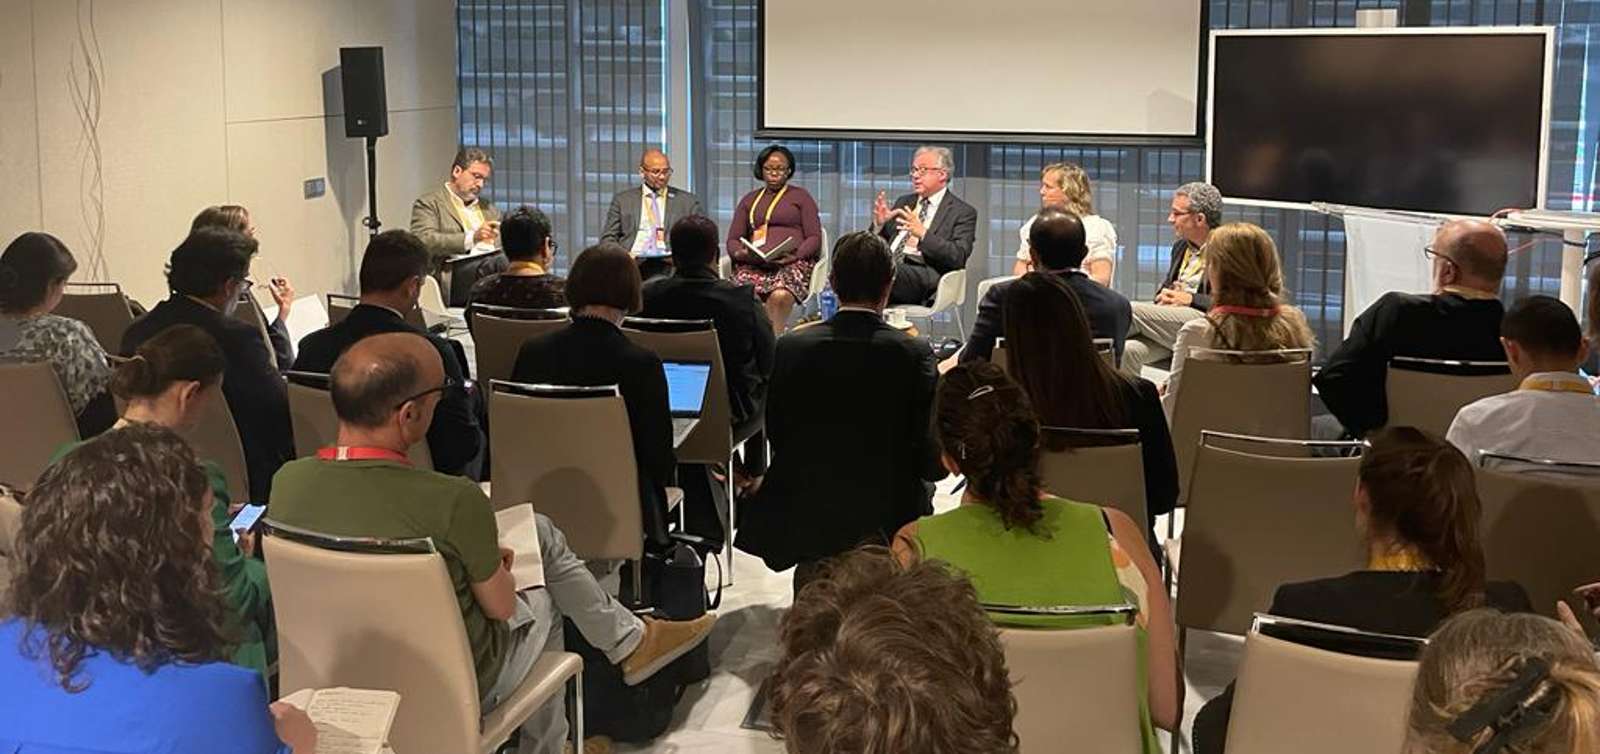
(686,386)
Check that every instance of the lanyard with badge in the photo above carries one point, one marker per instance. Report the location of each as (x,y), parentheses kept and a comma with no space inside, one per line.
(1545,384)
(362,453)
(759,237)
(655,208)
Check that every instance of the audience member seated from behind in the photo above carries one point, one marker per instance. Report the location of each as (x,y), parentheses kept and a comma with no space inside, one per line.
(1416,506)
(847,417)
(392,269)
(1515,684)
(1185,294)
(1247,311)
(1067,185)
(169,382)
(880,656)
(1553,413)
(1459,320)
(527,283)
(385,390)
(1056,242)
(603,289)
(125,648)
(236,218)
(1022,546)
(694,290)
(1050,353)
(206,274)
(33,274)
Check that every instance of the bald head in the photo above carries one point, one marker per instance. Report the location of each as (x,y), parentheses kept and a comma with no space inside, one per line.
(374,377)
(1476,251)
(655,168)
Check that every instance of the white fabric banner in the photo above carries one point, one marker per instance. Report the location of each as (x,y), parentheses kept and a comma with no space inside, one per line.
(1383,254)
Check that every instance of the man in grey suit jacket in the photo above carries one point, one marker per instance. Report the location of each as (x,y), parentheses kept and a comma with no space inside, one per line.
(930,231)
(454,219)
(641,216)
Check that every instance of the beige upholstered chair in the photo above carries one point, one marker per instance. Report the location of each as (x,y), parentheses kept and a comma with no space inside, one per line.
(1101,466)
(249,312)
(339,306)
(315,424)
(216,439)
(1257,520)
(38,421)
(1106,347)
(1540,532)
(1296,697)
(499,332)
(10,524)
(1427,393)
(1075,684)
(101,306)
(382,614)
(569,452)
(1260,393)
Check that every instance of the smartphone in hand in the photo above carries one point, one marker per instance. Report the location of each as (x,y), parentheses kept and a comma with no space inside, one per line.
(245,519)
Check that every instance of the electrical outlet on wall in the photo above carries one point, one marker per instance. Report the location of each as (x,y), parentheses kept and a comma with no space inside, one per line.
(315,187)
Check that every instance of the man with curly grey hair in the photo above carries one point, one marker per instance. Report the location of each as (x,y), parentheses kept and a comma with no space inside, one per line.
(1186,293)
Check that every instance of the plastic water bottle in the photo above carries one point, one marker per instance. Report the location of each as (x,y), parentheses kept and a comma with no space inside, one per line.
(828,301)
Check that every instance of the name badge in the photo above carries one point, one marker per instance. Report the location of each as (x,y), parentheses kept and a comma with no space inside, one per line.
(759,237)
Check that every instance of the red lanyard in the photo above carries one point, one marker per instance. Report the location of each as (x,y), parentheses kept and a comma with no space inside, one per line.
(356,453)
(1243,311)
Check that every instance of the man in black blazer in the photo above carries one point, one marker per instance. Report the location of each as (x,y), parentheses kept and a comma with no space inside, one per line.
(847,416)
(929,231)
(1185,294)
(641,217)
(602,289)
(1459,320)
(206,274)
(1056,242)
(392,269)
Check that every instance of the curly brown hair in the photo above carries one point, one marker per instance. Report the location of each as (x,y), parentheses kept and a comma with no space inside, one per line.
(114,555)
(986,424)
(881,657)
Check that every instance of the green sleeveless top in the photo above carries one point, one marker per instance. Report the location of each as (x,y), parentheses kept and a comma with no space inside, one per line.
(1069,562)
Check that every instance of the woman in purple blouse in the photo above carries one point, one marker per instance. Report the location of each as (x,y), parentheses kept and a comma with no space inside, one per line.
(775,236)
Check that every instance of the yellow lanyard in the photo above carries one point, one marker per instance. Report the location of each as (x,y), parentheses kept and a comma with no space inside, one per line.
(1405,560)
(770,207)
(528,266)
(1193,263)
(1574,385)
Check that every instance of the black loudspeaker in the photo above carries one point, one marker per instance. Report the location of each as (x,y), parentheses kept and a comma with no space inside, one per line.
(366,105)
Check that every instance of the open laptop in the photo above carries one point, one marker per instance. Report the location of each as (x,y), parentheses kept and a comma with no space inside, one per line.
(686,394)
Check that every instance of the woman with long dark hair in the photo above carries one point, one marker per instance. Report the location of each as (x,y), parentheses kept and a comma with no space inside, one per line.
(1050,351)
(118,637)
(33,276)
(1416,506)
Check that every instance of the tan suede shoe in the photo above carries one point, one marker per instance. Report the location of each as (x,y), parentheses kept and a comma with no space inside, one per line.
(663,642)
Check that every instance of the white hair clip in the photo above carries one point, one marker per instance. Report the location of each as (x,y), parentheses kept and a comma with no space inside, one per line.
(980,391)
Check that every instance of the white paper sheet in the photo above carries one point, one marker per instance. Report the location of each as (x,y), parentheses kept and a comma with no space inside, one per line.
(349,721)
(518,533)
(306,316)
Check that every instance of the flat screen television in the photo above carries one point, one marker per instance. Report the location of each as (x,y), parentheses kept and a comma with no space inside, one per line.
(1442,120)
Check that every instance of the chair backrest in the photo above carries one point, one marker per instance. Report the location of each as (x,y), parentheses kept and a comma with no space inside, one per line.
(985,284)
(1325,702)
(1077,684)
(569,452)
(1427,393)
(216,439)
(497,338)
(711,440)
(1106,347)
(432,298)
(249,312)
(10,524)
(316,425)
(1259,519)
(101,306)
(339,306)
(1260,393)
(376,615)
(952,290)
(1540,532)
(38,421)
(1101,466)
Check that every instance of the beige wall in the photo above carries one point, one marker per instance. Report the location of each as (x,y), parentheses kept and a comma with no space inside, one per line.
(212,101)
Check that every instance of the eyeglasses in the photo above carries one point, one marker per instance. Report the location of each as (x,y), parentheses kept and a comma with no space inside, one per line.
(778,170)
(663,173)
(1428,252)
(1181,213)
(915,172)
(450,383)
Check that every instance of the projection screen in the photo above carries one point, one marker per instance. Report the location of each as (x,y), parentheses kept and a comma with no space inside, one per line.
(958,69)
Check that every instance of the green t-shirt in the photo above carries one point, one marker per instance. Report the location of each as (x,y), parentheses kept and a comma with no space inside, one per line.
(391,500)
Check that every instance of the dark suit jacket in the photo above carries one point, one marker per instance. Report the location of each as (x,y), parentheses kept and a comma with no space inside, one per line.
(1446,326)
(1202,292)
(253,389)
(622,217)
(454,438)
(847,416)
(744,334)
(1143,403)
(945,247)
(1109,312)
(1388,602)
(593,351)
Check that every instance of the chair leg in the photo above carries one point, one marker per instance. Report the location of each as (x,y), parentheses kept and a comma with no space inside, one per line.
(955,312)
(575,711)
(638,584)
(733,517)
